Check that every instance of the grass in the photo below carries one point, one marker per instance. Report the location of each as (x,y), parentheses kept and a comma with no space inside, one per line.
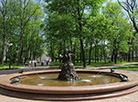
(102,63)
(127,68)
(6,66)
(99,64)
(132,67)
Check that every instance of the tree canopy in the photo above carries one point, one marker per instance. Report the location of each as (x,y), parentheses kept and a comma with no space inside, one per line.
(94,30)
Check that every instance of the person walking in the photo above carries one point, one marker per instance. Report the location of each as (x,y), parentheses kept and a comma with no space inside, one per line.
(47,62)
(26,64)
(35,63)
(42,63)
(30,62)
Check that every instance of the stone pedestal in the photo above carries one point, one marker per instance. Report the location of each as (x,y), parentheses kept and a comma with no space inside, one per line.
(68,72)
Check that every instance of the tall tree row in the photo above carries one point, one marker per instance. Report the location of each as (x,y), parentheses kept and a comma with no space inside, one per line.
(20,25)
(77,10)
(131,8)
(94,32)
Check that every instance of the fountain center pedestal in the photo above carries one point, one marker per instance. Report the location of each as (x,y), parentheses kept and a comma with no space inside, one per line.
(68,72)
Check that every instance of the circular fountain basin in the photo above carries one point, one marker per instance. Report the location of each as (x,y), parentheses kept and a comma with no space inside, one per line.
(86,79)
(70,90)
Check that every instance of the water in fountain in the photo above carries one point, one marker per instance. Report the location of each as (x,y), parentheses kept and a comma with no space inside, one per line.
(38,74)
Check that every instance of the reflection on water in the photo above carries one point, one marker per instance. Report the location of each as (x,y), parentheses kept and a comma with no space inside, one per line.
(85,80)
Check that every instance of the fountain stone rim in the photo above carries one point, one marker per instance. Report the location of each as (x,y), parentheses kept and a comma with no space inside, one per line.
(5,83)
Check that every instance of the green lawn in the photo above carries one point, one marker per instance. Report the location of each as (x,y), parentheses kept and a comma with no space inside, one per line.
(98,64)
(127,68)
(133,67)
(6,66)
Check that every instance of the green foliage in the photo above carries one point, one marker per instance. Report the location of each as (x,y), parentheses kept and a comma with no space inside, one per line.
(119,30)
(33,41)
(85,27)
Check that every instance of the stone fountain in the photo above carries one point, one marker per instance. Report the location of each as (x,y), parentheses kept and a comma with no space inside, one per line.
(68,72)
(43,90)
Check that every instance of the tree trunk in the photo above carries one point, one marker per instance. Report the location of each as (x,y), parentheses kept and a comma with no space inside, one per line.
(125,57)
(115,57)
(95,53)
(81,39)
(104,53)
(20,49)
(101,55)
(30,56)
(80,57)
(132,52)
(71,45)
(129,55)
(4,39)
(77,57)
(90,53)
(6,60)
(112,56)
(83,53)
(65,47)
(74,49)
(52,52)
(34,54)
(115,51)
(14,57)
(104,57)
(60,51)
(25,59)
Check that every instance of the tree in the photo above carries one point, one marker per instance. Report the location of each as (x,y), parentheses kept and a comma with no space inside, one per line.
(16,23)
(120,30)
(58,28)
(131,7)
(76,8)
(98,25)
(6,8)
(27,10)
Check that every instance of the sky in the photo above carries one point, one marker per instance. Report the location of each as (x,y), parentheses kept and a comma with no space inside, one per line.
(43,0)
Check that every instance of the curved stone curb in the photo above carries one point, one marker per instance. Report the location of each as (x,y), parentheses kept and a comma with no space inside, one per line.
(67,93)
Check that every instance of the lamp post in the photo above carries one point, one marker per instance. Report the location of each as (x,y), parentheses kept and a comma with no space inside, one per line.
(10,45)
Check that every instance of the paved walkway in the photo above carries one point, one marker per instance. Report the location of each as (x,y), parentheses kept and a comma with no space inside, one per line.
(39,67)
(113,66)
(25,69)
(126,98)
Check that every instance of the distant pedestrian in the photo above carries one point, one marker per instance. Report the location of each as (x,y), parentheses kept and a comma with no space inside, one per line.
(26,64)
(47,62)
(35,63)
(30,63)
(42,63)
